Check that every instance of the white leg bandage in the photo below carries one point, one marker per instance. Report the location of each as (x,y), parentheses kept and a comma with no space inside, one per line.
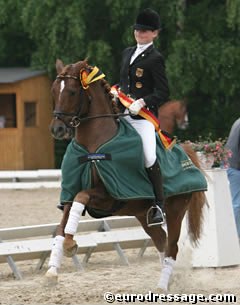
(57,252)
(168,264)
(74,217)
(161,257)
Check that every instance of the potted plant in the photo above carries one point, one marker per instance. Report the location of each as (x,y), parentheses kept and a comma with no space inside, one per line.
(212,153)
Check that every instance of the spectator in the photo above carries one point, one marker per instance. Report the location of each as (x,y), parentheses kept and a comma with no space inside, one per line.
(233,171)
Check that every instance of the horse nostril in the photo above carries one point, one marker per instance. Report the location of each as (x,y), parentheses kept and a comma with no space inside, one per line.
(58,131)
(61,129)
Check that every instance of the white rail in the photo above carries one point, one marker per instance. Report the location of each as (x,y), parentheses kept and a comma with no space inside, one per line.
(30,179)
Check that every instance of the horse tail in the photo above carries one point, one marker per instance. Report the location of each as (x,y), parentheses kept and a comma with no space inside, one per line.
(195,216)
(197,202)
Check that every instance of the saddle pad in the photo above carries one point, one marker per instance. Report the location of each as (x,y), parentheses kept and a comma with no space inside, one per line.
(123,173)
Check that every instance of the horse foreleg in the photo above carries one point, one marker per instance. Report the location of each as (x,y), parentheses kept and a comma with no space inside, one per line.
(175,211)
(94,197)
(56,255)
(69,244)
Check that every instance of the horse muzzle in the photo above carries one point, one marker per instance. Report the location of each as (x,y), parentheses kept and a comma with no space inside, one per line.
(183,126)
(60,131)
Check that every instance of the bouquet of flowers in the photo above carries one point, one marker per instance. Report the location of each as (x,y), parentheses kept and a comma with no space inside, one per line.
(216,150)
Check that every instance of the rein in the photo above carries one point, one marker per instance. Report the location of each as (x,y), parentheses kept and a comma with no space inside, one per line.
(77,120)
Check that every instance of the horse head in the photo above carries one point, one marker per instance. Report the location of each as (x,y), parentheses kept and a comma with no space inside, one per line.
(173,114)
(181,115)
(74,90)
(66,94)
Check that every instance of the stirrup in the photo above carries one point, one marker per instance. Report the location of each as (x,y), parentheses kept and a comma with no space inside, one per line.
(158,222)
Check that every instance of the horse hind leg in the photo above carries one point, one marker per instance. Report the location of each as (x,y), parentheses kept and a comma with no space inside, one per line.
(158,236)
(175,211)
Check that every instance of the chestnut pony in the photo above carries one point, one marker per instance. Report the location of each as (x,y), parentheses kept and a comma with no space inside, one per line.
(91,111)
(172,115)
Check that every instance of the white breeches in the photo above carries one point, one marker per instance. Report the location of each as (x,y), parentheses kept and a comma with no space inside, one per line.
(146,130)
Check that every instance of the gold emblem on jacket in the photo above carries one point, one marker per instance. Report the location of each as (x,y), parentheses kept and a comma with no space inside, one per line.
(139,72)
(138,85)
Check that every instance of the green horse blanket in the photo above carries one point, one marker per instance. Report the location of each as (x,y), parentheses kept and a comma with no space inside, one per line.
(120,165)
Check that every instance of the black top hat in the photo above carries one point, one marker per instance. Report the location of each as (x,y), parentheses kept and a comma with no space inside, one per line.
(148,19)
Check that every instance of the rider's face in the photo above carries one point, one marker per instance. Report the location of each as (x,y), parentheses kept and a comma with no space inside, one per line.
(145,36)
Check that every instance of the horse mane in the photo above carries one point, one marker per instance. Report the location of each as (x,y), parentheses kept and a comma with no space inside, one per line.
(106,86)
(107,89)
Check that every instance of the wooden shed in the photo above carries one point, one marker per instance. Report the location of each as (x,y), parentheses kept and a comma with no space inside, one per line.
(25,115)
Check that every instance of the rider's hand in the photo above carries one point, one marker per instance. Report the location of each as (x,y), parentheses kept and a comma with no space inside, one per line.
(115,94)
(136,106)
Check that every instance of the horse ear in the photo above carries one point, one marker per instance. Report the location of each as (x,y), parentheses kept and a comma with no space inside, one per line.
(87,67)
(86,60)
(59,65)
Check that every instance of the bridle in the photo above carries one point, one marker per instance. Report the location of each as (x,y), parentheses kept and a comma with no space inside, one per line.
(76,117)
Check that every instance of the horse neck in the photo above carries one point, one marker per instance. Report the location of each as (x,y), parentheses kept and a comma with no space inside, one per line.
(94,132)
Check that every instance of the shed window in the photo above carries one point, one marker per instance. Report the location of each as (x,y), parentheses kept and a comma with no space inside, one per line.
(30,114)
(8,116)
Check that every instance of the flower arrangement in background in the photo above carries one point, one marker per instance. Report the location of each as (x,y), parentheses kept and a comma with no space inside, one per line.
(214,150)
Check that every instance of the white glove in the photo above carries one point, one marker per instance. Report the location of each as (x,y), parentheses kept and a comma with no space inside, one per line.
(136,106)
(115,94)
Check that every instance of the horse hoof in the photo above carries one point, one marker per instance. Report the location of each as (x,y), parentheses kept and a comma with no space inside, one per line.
(162,289)
(51,277)
(70,250)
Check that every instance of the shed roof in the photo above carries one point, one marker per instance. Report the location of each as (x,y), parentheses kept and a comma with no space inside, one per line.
(12,75)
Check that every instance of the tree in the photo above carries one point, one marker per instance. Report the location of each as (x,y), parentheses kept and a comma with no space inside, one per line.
(79,29)
(16,46)
(203,65)
(199,40)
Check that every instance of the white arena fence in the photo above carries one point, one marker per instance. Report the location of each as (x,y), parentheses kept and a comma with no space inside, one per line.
(30,179)
(94,235)
(219,244)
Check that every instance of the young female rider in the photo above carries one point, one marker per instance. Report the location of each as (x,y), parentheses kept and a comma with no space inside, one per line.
(143,77)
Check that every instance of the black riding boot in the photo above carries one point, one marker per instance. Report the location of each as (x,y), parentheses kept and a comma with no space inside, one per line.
(155,215)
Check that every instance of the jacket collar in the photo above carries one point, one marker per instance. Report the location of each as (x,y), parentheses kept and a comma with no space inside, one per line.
(144,53)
